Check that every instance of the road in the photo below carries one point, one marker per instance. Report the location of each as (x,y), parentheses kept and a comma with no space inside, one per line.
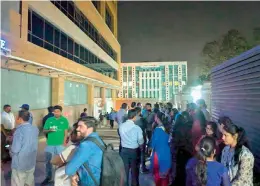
(108,135)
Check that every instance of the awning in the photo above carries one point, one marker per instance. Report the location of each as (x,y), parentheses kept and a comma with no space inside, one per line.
(16,63)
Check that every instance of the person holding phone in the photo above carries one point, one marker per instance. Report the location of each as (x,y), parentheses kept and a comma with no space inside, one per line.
(57,129)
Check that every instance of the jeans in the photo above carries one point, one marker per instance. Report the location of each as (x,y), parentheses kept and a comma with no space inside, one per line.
(131,159)
(50,152)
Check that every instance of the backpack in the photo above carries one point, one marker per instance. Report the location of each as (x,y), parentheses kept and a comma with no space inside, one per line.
(112,167)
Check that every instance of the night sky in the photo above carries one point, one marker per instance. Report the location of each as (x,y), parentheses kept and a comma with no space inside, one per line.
(172,31)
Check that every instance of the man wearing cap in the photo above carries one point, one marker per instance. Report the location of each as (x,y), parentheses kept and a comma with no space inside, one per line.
(26,107)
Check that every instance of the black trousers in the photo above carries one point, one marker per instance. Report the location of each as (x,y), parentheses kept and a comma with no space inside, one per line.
(112,123)
(143,153)
(131,159)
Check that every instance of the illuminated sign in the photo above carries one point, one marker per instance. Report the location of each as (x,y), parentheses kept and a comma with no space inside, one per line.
(2,44)
(5,51)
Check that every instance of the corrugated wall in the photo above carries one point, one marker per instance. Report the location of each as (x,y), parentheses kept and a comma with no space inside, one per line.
(236,93)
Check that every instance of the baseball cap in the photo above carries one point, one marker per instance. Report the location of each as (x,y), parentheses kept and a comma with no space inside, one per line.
(25,106)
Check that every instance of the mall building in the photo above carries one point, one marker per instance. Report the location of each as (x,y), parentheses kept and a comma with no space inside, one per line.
(60,53)
(152,81)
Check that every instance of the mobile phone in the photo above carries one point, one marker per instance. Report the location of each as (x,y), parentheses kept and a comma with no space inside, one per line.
(7,146)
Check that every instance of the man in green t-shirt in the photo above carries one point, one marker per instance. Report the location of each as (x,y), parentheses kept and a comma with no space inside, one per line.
(57,129)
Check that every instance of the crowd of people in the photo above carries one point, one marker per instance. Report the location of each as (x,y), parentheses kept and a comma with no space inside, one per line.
(185,148)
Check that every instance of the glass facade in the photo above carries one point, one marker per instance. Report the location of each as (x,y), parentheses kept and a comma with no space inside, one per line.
(76,16)
(44,34)
(151,81)
(109,20)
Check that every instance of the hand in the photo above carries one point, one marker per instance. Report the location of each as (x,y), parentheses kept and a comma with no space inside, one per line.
(9,139)
(74,180)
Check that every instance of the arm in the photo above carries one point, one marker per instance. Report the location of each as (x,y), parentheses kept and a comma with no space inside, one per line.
(3,130)
(57,161)
(140,137)
(80,156)
(17,143)
(225,179)
(46,127)
(245,166)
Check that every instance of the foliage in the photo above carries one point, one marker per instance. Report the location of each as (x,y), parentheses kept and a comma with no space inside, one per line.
(226,47)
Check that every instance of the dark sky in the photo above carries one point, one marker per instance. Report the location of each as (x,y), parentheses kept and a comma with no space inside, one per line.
(172,31)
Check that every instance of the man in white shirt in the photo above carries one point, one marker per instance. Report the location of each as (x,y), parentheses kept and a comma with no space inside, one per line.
(131,136)
(7,124)
(7,118)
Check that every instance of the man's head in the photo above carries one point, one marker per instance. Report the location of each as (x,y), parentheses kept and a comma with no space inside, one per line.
(22,117)
(86,126)
(133,105)
(50,109)
(138,110)
(74,135)
(148,106)
(25,107)
(57,111)
(132,114)
(85,109)
(124,106)
(139,105)
(7,108)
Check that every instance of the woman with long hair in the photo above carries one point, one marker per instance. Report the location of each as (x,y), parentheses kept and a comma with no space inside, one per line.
(236,156)
(203,170)
(181,147)
(161,154)
(198,128)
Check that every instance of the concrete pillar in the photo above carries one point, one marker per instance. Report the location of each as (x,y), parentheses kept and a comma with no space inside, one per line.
(114,96)
(103,96)
(90,99)
(58,91)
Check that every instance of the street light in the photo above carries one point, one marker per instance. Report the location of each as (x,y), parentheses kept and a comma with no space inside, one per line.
(196,93)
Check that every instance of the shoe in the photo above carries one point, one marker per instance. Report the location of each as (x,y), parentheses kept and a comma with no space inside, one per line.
(46,181)
(145,171)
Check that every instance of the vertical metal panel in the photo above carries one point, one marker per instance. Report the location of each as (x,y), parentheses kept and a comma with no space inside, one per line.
(236,93)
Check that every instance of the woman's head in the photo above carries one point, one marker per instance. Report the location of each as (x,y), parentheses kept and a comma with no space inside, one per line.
(235,137)
(207,149)
(211,129)
(223,121)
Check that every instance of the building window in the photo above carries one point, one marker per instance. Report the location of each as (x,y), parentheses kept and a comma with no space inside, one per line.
(96,4)
(44,34)
(69,9)
(109,20)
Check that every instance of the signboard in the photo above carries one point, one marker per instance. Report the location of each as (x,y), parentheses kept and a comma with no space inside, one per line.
(4,50)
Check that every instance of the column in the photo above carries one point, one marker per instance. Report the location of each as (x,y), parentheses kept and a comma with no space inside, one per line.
(152,85)
(114,96)
(133,83)
(148,84)
(160,86)
(58,91)
(140,84)
(103,96)
(127,83)
(145,89)
(91,99)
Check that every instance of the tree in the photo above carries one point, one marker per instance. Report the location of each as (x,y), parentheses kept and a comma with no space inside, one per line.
(228,46)
(256,36)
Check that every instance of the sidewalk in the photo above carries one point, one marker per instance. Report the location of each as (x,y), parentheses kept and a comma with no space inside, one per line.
(109,136)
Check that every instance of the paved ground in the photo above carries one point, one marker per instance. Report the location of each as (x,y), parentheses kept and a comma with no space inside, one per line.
(109,136)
